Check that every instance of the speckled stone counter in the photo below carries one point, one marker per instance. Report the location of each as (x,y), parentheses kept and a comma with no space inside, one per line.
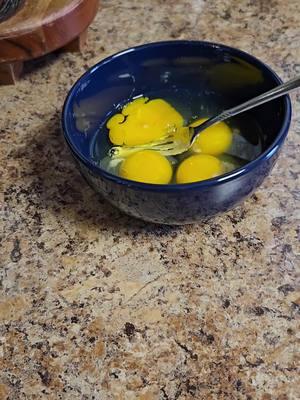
(96,305)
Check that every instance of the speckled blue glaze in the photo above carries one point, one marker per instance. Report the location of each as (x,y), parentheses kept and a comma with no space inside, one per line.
(209,67)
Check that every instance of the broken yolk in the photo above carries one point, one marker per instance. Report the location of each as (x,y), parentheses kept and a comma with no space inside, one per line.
(142,122)
(147,166)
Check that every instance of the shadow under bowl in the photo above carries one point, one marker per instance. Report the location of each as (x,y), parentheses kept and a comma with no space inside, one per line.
(206,73)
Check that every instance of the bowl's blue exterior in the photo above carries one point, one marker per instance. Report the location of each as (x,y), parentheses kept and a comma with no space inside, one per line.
(173,204)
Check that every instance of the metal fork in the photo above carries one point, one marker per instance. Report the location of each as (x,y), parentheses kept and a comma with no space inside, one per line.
(169,146)
(256,101)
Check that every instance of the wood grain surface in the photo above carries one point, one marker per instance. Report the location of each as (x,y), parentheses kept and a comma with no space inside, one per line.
(41,26)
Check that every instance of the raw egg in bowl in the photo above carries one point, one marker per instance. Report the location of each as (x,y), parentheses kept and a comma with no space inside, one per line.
(118,114)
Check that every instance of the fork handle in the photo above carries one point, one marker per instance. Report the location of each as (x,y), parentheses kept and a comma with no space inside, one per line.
(277,91)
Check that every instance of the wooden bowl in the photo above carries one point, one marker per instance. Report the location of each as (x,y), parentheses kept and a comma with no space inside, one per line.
(31,28)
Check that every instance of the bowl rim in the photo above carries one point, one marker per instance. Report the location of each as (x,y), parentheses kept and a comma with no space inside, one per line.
(268,153)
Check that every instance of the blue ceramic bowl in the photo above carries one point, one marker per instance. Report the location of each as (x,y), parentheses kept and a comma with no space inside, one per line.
(213,74)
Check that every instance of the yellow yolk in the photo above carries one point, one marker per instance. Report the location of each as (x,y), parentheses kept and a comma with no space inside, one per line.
(214,140)
(145,122)
(147,166)
(134,105)
(115,120)
(198,168)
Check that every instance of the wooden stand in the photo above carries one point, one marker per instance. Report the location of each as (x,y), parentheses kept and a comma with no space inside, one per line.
(10,72)
(77,45)
(40,27)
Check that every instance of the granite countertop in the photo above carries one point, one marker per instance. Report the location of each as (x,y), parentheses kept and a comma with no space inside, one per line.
(97,305)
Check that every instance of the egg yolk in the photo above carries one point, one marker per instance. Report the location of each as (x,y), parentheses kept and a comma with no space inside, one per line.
(198,168)
(134,105)
(142,122)
(115,120)
(147,166)
(214,140)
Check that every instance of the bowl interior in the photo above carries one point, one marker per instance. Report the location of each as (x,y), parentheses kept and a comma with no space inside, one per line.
(197,77)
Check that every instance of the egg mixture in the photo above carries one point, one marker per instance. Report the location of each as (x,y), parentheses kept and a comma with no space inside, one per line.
(142,123)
